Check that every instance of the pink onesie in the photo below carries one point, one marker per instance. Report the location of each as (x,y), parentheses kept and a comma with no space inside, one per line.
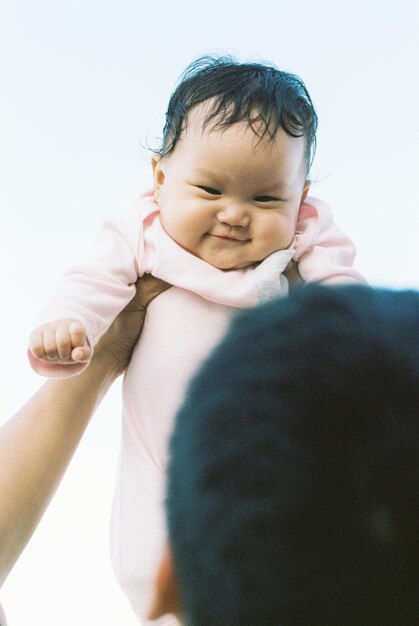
(182,326)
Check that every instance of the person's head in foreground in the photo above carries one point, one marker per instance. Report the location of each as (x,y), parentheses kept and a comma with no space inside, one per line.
(232,169)
(293,485)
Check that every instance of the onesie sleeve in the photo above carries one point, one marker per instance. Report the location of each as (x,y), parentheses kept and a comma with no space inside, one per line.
(323,252)
(95,290)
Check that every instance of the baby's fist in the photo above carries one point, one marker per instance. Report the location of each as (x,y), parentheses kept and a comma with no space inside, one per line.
(64,342)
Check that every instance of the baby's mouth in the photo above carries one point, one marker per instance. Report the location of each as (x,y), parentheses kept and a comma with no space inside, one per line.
(232,238)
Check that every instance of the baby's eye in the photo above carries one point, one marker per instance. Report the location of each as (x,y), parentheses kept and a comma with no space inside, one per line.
(213,192)
(266,199)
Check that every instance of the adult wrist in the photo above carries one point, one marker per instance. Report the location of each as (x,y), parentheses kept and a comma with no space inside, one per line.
(106,364)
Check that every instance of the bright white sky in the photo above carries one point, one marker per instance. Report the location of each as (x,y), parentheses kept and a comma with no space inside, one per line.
(84,85)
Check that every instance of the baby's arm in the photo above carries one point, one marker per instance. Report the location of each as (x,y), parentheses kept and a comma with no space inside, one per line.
(323,252)
(87,299)
(37,444)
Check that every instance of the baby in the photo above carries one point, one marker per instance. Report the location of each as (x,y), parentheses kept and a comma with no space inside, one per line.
(227,215)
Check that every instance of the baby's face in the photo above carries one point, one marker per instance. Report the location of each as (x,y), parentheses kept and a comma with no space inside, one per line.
(227,197)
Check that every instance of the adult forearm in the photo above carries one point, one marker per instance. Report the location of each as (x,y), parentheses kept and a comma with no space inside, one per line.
(36,446)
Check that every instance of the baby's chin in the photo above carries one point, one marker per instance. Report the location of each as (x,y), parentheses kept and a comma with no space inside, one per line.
(226,266)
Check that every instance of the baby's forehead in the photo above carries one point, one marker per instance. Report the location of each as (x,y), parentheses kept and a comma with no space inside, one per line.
(213,133)
(237,153)
(221,142)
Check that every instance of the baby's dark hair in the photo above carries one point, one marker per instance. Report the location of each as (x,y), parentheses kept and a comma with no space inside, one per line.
(257,93)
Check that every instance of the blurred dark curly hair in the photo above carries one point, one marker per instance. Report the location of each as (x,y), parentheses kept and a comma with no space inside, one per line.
(293,482)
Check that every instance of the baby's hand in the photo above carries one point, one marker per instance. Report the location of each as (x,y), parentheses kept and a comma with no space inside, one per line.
(64,342)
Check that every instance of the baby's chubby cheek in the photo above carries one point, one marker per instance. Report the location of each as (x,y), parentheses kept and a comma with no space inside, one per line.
(165,212)
(283,234)
(178,230)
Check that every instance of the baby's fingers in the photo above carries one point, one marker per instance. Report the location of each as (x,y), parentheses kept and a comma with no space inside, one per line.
(63,341)
(50,343)
(81,355)
(36,345)
(81,351)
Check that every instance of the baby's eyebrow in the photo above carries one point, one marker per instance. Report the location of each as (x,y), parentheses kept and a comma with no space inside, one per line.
(277,186)
(198,171)
(280,189)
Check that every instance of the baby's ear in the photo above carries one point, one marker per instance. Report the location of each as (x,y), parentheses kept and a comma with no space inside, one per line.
(306,189)
(154,160)
(158,174)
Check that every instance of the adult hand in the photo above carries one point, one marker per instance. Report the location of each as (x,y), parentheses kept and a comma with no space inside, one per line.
(293,276)
(121,337)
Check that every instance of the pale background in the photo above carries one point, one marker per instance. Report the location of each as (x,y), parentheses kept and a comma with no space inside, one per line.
(84,84)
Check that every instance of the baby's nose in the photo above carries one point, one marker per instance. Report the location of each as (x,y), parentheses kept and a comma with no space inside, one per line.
(234,215)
